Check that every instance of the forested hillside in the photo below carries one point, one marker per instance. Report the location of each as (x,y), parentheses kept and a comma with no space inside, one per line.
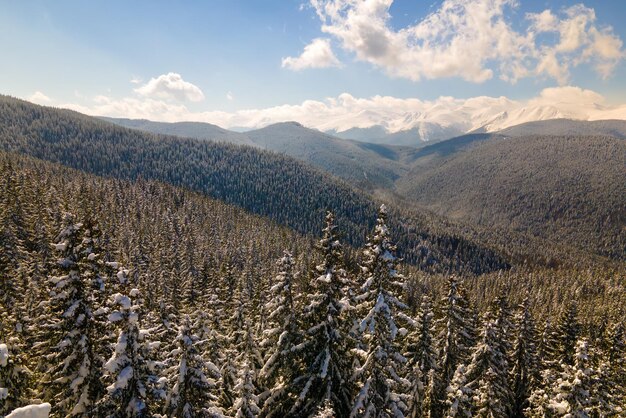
(281,188)
(569,189)
(140,299)
(568,127)
(366,165)
(431,177)
(197,130)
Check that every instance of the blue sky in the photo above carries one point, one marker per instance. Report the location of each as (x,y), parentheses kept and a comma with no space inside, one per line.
(83,53)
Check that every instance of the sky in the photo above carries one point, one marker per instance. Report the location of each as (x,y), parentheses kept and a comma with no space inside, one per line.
(249,63)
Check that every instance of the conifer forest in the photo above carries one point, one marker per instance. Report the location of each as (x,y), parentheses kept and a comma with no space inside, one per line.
(145,274)
(129,299)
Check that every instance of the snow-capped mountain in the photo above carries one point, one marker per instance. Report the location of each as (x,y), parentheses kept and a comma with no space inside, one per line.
(448,117)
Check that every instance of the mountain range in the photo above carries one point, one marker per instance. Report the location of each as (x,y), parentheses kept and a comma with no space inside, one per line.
(558,179)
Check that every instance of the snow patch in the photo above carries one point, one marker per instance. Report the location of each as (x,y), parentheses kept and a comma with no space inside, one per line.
(31,411)
(4,355)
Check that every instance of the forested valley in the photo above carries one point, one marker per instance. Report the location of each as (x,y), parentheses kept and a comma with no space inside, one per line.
(142,275)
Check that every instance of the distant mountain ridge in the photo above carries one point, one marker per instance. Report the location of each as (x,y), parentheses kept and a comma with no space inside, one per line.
(276,186)
(584,184)
(369,166)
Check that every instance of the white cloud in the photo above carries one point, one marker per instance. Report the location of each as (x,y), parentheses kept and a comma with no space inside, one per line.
(230,97)
(171,86)
(394,114)
(317,54)
(39,98)
(471,39)
(579,41)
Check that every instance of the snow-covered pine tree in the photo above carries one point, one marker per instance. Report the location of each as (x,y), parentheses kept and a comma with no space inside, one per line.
(12,237)
(325,410)
(567,333)
(193,380)
(456,341)
(282,363)
(135,389)
(242,347)
(228,380)
(75,362)
(573,392)
(15,377)
(421,356)
(326,349)
(459,396)
(503,320)
(430,406)
(487,373)
(246,403)
(213,341)
(248,361)
(526,368)
(616,364)
(383,391)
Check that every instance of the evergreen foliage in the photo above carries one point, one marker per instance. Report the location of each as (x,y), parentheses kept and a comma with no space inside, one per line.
(383,389)
(268,327)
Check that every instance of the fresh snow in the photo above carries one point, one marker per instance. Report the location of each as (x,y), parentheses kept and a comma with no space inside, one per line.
(4,355)
(31,411)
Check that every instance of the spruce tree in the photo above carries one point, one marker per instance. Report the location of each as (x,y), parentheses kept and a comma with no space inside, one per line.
(525,371)
(193,379)
(135,389)
(421,356)
(487,373)
(282,363)
(456,341)
(15,377)
(573,393)
(75,361)
(383,390)
(246,404)
(325,352)
(567,333)
(459,396)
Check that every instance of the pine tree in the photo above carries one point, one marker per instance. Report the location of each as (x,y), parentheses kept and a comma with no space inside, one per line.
(326,410)
(383,390)
(567,333)
(421,356)
(242,349)
(525,372)
(430,404)
(459,395)
(15,377)
(487,373)
(246,404)
(283,362)
(76,320)
(456,341)
(135,388)
(573,392)
(193,379)
(228,380)
(12,240)
(326,349)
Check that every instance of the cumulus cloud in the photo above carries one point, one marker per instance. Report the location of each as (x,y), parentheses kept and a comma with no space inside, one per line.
(171,86)
(471,39)
(317,54)
(579,41)
(39,98)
